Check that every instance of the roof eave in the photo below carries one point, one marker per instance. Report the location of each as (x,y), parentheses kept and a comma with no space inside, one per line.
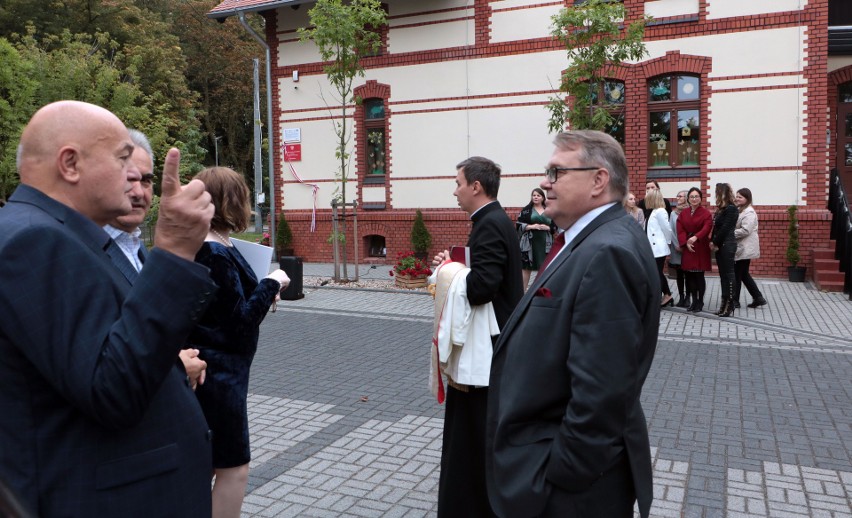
(272,4)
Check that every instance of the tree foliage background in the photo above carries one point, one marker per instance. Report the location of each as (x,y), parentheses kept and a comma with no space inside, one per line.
(594,35)
(161,65)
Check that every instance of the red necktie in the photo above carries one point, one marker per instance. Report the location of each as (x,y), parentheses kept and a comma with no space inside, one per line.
(557,245)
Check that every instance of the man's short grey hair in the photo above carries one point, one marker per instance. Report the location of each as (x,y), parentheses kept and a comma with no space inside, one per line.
(597,149)
(140,140)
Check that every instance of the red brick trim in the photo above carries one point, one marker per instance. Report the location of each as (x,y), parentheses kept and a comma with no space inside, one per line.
(482,21)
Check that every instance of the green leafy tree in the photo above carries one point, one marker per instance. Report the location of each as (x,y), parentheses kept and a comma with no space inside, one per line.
(344,33)
(17,104)
(139,44)
(594,36)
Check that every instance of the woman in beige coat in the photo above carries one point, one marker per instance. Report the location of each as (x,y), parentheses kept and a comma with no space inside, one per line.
(748,248)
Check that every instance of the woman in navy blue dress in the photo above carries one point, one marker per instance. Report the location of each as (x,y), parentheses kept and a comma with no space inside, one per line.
(227,336)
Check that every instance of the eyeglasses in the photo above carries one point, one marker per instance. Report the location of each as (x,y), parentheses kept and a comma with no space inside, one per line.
(552,173)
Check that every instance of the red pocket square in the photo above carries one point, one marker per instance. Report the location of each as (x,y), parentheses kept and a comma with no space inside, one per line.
(543,292)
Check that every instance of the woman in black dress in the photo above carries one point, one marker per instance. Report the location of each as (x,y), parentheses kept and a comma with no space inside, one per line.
(724,243)
(227,336)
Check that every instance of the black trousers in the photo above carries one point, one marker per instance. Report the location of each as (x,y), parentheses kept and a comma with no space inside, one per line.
(725,262)
(743,277)
(461,486)
(695,285)
(664,282)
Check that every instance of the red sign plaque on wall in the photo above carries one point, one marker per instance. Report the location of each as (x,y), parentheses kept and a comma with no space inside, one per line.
(293,152)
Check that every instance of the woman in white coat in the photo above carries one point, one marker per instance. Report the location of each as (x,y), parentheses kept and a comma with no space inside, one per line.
(659,235)
(748,248)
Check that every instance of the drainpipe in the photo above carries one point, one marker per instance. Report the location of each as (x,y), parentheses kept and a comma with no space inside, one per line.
(269,130)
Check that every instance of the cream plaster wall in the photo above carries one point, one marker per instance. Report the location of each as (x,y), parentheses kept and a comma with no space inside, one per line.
(838,62)
(742,53)
(413,18)
(731,8)
(768,187)
(402,7)
(292,53)
(667,8)
(757,82)
(434,193)
(756,129)
(522,23)
(300,197)
(438,192)
(510,4)
(423,37)
(372,194)
(318,145)
(515,191)
(429,144)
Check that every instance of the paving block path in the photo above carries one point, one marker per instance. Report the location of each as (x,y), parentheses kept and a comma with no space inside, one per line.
(749,416)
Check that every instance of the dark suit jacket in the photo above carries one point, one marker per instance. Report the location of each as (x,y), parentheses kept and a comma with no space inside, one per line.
(96,417)
(568,371)
(495,271)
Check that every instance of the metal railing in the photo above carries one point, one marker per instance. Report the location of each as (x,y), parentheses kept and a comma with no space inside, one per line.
(841,228)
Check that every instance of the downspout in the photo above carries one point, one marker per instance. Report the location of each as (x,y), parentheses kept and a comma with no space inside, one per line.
(269,131)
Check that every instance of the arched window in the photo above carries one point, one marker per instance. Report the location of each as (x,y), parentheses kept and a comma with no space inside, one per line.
(612,92)
(674,124)
(374,139)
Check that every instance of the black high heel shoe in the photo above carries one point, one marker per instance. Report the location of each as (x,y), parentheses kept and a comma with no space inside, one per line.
(683,302)
(724,308)
(669,302)
(729,311)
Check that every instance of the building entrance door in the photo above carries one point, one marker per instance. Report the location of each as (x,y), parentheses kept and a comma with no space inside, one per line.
(844,143)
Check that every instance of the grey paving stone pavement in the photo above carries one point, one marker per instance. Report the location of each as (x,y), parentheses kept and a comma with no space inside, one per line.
(749,416)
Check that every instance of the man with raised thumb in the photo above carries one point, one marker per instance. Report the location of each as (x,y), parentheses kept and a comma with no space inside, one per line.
(96,416)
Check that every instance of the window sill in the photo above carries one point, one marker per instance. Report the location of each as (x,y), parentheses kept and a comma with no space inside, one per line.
(685,172)
(373,179)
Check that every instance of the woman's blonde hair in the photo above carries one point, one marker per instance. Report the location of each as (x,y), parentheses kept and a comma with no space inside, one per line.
(654,200)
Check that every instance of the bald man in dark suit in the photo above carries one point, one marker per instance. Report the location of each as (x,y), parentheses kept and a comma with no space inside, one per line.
(96,415)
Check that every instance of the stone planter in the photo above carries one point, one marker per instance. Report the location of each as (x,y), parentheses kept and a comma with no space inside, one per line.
(409,282)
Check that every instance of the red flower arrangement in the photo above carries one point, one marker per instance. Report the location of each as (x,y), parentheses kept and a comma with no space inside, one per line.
(407,264)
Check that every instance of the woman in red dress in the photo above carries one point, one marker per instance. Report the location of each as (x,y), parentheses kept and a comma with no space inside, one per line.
(693,230)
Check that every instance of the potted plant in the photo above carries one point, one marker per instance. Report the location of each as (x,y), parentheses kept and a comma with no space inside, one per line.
(794,273)
(283,237)
(409,271)
(421,239)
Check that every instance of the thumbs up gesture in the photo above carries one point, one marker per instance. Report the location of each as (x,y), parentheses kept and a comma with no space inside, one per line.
(185,212)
